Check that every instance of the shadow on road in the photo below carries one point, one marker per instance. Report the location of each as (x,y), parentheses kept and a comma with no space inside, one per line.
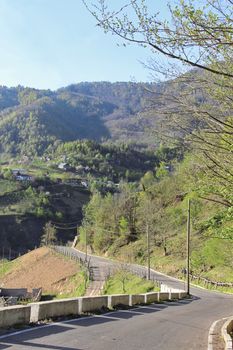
(23,340)
(38,334)
(24,345)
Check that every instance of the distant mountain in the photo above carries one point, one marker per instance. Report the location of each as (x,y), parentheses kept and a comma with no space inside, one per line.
(127,96)
(31,124)
(31,119)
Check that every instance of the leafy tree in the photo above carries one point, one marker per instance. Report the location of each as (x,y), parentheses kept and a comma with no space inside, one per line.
(187,38)
(161,171)
(148,179)
(50,235)
(198,36)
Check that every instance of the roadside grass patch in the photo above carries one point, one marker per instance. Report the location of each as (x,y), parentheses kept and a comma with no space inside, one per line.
(5,267)
(76,287)
(124,282)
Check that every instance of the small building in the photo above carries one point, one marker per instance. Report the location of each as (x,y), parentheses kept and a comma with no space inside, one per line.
(64,166)
(84,184)
(23,177)
(17,172)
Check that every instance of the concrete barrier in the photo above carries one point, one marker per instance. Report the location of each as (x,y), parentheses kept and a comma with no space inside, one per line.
(34,312)
(137,299)
(151,297)
(118,299)
(174,295)
(167,289)
(164,296)
(14,315)
(182,295)
(227,328)
(55,308)
(90,304)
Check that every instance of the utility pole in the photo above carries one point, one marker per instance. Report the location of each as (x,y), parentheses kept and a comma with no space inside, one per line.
(188,249)
(148,251)
(86,246)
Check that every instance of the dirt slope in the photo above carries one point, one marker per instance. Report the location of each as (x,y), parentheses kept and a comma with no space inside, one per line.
(43,268)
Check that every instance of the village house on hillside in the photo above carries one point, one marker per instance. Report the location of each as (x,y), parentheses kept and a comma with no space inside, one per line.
(21,175)
(65,166)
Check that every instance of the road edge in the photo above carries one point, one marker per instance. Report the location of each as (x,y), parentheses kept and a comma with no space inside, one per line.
(212,332)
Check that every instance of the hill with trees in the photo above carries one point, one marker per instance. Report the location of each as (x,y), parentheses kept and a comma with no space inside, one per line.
(191,110)
(117,224)
(31,120)
(196,108)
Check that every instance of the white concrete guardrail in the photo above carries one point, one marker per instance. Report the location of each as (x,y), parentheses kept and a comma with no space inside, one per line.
(227,328)
(34,312)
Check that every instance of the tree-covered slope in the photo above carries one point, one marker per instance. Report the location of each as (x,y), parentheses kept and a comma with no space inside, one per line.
(117,224)
(128,96)
(31,119)
(31,127)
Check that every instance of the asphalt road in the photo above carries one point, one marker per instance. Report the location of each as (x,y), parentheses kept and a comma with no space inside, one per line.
(181,325)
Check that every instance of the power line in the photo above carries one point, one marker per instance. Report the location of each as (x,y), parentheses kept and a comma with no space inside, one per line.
(64,223)
(103,229)
(65,228)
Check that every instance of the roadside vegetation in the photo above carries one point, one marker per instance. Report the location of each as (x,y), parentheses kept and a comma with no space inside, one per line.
(5,267)
(124,282)
(196,109)
(116,225)
(96,139)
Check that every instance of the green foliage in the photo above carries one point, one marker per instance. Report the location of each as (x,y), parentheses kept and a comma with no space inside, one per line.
(7,186)
(99,218)
(105,160)
(162,206)
(41,119)
(123,226)
(214,253)
(50,235)
(80,286)
(161,171)
(124,282)
(199,114)
(5,267)
(148,179)
(7,174)
(59,215)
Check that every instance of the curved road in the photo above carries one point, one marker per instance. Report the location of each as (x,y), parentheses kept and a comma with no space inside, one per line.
(181,325)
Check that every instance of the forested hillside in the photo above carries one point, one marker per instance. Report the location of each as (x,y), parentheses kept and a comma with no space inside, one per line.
(117,225)
(119,162)
(31,119)
(31,127)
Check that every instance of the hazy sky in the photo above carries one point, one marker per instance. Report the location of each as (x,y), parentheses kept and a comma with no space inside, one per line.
(53,43)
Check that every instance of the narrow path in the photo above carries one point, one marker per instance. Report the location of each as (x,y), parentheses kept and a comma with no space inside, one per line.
(104,267)
(97,281)
(99,270)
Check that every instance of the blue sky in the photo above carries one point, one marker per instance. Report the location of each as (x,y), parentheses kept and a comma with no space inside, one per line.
(53,43)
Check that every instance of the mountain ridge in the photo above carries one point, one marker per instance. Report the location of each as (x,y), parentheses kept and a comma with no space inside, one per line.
(93,111)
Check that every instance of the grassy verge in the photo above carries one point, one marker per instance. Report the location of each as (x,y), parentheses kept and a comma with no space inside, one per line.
(173,265)
(213,287)
(5,267)
(76,287)
(124,282)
